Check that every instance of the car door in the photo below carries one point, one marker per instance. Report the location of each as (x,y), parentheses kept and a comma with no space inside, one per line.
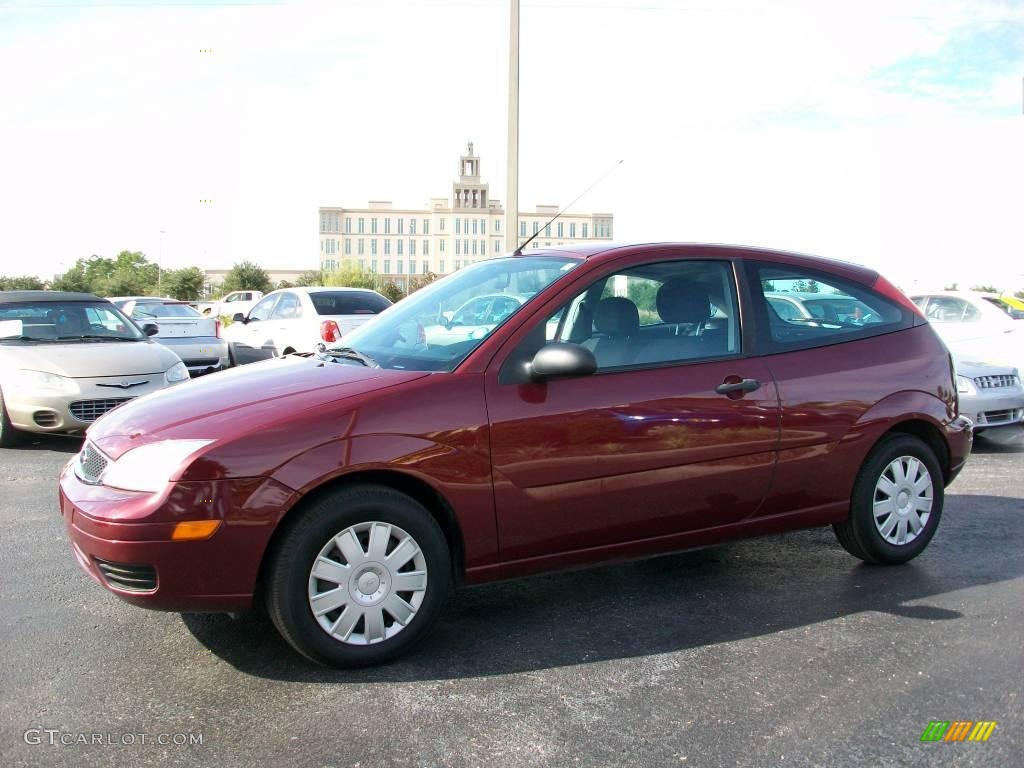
(676,431)
(286,325)
(253,340)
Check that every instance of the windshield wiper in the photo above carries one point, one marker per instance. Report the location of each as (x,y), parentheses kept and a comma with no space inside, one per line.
(94,336)
(23,338)
(348,353)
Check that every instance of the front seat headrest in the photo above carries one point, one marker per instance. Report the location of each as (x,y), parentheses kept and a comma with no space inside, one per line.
(683,301)
(616,316)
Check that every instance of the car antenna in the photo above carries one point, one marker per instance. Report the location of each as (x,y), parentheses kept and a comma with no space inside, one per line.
(519,250)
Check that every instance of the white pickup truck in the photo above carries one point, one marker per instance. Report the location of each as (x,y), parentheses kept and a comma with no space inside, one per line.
(234,302)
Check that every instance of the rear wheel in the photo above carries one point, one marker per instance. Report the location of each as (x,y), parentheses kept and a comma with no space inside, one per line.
(9,436)
(359,577)
(896,504)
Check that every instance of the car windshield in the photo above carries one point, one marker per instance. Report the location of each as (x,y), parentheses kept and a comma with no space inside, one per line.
(72,321)
(150,309)
(437,327)
(348,302)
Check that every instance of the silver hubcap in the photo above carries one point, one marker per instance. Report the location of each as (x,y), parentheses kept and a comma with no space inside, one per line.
(903,500)
(367,583)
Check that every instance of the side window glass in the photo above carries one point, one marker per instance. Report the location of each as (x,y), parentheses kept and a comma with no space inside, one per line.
(263,309)
(658,313)
(288,307)
(950,309)
(805,309)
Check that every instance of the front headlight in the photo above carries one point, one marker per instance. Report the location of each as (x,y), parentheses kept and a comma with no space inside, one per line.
(965,386)
(47,383)
(150,467)
(177,372)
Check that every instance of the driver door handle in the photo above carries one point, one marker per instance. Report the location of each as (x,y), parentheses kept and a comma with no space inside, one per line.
(744,385)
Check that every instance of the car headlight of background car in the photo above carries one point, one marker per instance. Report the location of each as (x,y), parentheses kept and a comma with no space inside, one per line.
(44,383)
(150,467)
(965,386)
(177,372)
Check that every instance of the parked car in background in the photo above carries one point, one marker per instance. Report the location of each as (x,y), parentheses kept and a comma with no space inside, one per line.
(1011,305)
(234,303)
(991,396)
(68,358)
(195,339)
(973,327)
(204,307)
(359,485)
(803,306)
(474,319)
(299,320)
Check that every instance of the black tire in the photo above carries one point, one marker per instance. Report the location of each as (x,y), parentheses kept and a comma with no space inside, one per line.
(289,576)
(9,436)
(859,534)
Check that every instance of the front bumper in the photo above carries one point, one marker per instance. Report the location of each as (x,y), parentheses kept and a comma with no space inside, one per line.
(72,413)
(201,354)
(993,408)
(122,539)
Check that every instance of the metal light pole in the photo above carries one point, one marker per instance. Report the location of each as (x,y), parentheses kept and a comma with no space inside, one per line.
(160,263)
(512,169)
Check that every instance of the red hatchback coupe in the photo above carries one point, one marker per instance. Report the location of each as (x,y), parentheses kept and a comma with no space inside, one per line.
(632,400)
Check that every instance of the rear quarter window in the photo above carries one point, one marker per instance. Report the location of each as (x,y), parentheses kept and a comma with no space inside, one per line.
(799,308)
(348,302)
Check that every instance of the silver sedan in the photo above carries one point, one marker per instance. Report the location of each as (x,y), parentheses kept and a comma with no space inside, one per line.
(194,337)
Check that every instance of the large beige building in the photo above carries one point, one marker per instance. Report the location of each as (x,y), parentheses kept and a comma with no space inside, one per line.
(402,244)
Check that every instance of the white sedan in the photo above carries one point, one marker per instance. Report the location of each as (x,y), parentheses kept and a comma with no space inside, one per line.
(299,320)
(974,327)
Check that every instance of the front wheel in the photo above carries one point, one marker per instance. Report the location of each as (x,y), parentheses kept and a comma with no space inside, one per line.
(359,577)
(896,503)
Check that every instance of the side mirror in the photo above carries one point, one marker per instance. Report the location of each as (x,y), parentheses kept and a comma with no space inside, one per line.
(238,317)
(150,329)
(560,359)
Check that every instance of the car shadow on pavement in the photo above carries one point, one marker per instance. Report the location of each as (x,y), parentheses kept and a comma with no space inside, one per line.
(52,443)
(1001,440)
(688,600)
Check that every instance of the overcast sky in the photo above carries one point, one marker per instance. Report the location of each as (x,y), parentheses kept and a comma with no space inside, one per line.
(888,133)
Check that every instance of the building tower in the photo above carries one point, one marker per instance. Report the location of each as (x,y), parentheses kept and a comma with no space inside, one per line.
(468,191)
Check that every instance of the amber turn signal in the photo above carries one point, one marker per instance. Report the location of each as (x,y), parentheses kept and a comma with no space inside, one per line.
(195,529)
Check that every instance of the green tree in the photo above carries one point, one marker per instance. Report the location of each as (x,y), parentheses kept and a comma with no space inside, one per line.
(951,287)
(985,289)
(1019,294)
(392,292)
(247,276)
(21,283)
(350,276)
(284,284)
(813,287)
(184,284)
(312,277)
(128,273)
(422,281)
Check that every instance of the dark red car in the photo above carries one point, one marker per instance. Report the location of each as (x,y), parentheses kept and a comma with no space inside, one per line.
(628,401)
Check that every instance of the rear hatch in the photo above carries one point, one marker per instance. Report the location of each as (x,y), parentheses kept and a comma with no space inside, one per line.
(348,309)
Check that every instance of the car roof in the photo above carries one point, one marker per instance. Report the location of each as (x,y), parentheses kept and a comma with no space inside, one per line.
(17,297)
(160,299)
(321,288)
(611,250)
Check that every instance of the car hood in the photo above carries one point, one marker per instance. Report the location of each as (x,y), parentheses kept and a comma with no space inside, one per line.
(228,405)
(90,359)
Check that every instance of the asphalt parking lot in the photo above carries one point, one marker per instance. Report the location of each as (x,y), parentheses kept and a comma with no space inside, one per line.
(776,651)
